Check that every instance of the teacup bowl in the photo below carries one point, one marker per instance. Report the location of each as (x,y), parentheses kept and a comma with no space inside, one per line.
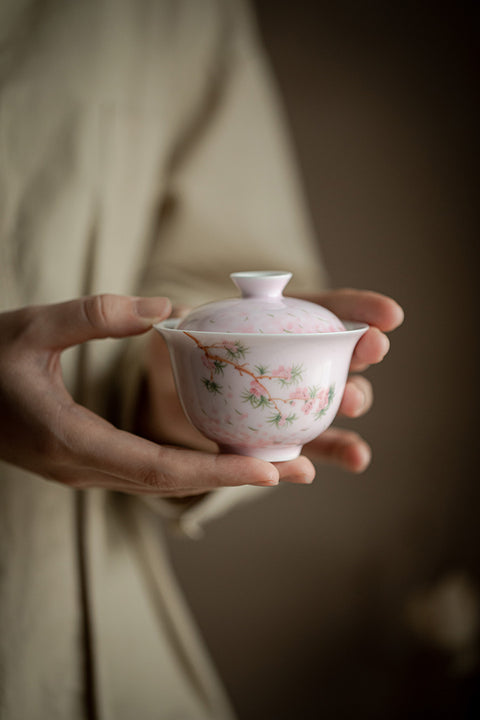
(260,394)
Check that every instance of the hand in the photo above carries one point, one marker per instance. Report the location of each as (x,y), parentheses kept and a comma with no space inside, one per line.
(343,447)
(43,430)
(162,418)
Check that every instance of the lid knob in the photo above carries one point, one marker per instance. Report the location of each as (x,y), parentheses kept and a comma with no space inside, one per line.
(261,284)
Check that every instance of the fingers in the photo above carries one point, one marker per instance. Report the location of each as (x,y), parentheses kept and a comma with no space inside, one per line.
(357,398)
(116,460)
(364,306)
(132,464)
(56,327)
(100,447)
(379,311)
(370,349)
(83,478)
(298,471)
(180,310)
(342,448)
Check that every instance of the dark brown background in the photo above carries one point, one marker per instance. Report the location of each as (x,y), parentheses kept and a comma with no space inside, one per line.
(302,597)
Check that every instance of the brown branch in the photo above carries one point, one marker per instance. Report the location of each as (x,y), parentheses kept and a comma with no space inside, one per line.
(240,368)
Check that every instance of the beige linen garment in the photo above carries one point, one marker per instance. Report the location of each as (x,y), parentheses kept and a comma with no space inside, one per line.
(141,151)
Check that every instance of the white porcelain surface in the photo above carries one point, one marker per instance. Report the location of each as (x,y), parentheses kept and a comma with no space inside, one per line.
(261,375)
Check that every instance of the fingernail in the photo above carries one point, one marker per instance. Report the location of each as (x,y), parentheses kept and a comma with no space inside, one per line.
(153,308)
(386,346)
(298,479)
(267,483)
(365,457)
(400,315)
(360,403)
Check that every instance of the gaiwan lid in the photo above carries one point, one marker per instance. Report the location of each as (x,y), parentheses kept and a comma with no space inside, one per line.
(262,308)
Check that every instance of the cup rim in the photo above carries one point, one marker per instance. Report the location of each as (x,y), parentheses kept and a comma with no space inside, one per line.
(352,327)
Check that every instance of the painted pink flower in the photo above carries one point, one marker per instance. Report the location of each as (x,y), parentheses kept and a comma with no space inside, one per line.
(282,421)
(299,394)
(230,346)
(308,407)
(322,399)
(282,373)
(208,362)
(256,389)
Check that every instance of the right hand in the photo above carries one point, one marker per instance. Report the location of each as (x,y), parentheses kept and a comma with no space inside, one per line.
(44,431)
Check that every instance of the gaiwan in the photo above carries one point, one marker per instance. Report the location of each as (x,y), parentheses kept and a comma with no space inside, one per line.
(261,374)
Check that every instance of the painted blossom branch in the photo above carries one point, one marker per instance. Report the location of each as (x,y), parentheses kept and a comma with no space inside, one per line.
(240,368)
(258,394)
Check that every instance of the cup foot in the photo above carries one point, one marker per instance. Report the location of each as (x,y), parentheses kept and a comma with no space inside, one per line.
(273,453)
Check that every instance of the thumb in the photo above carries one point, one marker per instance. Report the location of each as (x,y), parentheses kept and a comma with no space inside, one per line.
(97,316)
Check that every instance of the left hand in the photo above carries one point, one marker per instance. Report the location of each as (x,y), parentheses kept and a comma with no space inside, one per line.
(163,418)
